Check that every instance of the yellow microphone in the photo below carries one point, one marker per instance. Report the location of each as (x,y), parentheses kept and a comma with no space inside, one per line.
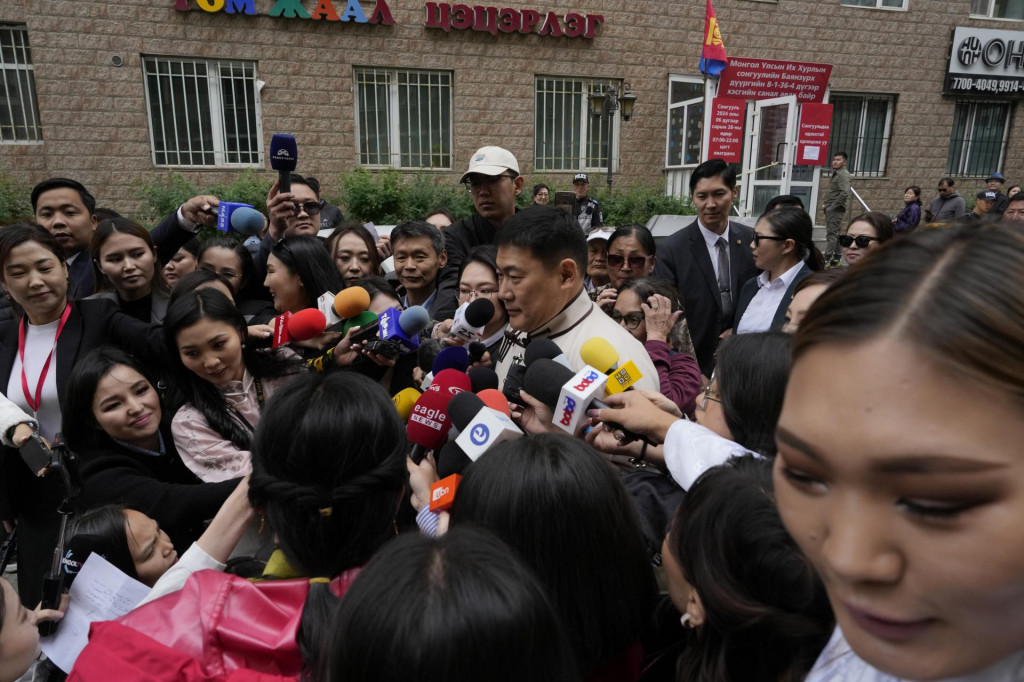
(404,401)
(600,355)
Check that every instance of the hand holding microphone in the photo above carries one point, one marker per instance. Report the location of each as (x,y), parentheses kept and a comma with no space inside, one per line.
(201,210)
(636,414)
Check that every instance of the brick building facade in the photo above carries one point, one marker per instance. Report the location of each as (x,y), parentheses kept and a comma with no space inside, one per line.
(333,84)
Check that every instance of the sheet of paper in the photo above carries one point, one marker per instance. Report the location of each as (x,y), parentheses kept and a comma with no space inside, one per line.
(811,153)
(100,592)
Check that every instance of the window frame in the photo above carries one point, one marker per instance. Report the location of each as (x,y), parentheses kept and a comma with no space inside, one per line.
(855,163)
(588,85)
(28,102)
(990,13)
(878,5)
(215,90)
(965,158)
(703,99)
(394,132)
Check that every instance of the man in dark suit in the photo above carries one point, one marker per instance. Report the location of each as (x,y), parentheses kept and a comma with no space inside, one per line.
(709,260)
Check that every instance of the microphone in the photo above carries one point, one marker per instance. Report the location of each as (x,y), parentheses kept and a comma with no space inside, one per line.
(453,357)
(471,318)
(569,395)
(281,335)
(483,378)
(442,493)
(494,399)
(601,355)
(428,424)
(241,218)
(395,331)
(306,324)
(78,550)
(476,351)
(451,460)
(545,348)
(513,383)
(345,305)
(284,154)
(404,401)
(450,381)
(361,320)
(480,427)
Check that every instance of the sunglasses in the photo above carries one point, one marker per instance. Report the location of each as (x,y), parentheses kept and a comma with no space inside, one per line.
(862,242)
(629,320)
(758,238)
(635,262)
(310,207)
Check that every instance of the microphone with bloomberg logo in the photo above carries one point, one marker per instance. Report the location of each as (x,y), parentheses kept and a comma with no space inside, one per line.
(569,395)
(284,155)
(600,354)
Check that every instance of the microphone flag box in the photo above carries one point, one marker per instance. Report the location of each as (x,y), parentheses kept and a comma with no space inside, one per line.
(488,428)
(442,493)
(623,378)
(224,211)
(390,331)
(325,304)
(281,335)
(571,409)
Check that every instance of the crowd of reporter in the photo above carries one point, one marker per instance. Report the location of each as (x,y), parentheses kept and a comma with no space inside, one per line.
(508,449)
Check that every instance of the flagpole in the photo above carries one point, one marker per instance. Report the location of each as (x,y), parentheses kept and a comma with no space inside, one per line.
(704,118)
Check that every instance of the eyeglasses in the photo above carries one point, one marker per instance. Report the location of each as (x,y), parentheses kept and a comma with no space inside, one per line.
(863,241)
(228,274)
(476,182)
(629,320)
(473,293)
(616,260)
(707,393)
(759,237)
(310,207)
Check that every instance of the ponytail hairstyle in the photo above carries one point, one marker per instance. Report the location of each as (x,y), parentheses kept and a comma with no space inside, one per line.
(187,387)
(767,616)
(328,470)
(790,222)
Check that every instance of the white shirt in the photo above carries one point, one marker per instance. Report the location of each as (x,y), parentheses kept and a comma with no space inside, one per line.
(838,663)
(711,239)
(691,449)
(759,314)
(39,340)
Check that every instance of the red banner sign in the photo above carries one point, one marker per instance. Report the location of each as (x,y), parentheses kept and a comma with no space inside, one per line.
(767,78)
(726,133)
(813,134)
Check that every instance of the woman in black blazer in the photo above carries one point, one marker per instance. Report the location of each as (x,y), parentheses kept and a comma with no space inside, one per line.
(38,348)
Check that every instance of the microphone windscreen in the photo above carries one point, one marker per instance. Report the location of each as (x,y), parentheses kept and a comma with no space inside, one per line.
(479,312)
(476,350)
(495,399)
(483,378)
(451,382)
(463,408)
(453,357)
(306,324)
(284,153)
(404,401)
(429,423)
(451,460)
(426,353)
(78,550)
(599,354)
(362,320)
(541,348)
(247,221)
(414,320)
(351,301)
(544,380)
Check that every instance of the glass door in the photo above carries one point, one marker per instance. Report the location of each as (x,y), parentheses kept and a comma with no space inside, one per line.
(771,135)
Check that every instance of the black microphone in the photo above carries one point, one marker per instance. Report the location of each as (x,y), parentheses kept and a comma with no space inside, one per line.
(471,318)
(546,349)
(476,351)
(284,154)
(483,378)
(514,383)
(461,409)
(80,548)
(451,460)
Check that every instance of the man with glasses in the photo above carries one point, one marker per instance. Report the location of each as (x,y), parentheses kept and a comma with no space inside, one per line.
(291,213)
(494,182)
(946,207)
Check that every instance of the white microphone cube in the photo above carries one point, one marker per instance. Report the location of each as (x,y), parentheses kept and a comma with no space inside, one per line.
(587,385)
(325,304)
(488,428)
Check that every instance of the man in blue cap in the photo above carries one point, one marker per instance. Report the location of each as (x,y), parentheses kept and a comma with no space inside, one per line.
(995,183)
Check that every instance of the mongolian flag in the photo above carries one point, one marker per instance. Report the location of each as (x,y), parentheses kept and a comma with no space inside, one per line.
(712,54)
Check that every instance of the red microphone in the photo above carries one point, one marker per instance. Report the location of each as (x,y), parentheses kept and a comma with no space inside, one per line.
(428,424)
(495,399)
(450,382)
(306,324)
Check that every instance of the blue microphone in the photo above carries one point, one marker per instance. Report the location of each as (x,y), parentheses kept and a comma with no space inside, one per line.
(284,154)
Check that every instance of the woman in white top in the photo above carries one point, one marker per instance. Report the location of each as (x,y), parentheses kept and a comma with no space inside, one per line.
(900,470)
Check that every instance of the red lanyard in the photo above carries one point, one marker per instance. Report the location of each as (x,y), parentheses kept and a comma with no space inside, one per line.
(34,404)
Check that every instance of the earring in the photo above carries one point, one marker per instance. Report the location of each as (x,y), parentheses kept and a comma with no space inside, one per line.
(685,620)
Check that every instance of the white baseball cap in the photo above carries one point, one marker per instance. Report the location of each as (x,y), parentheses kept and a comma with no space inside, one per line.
(600,233)
(491,161)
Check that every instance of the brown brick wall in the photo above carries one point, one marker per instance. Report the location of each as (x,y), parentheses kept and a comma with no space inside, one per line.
(95,128)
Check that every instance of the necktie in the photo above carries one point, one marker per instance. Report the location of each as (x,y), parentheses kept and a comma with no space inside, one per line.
(724,288)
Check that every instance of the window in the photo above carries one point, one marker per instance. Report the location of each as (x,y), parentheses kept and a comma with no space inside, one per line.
(877,4)
(404,118)
(685,121)
(978,141)
(998,9)
(203,112)
(860,127)
(566,136)
(19,111)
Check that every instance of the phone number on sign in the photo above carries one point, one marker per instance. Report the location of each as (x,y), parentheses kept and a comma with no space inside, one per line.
(986,85)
